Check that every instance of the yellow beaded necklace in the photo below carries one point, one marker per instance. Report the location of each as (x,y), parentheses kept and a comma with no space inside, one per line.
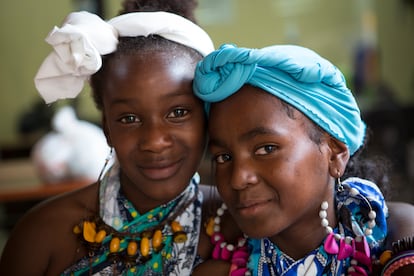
(131,249)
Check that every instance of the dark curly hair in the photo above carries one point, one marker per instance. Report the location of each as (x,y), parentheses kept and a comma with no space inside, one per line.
(185,8)
(374,168)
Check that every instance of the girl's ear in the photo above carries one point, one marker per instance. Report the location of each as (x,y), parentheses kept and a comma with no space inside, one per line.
(339,157)
(106,131)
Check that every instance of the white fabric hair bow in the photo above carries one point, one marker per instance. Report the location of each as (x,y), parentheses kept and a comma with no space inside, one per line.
(84,37)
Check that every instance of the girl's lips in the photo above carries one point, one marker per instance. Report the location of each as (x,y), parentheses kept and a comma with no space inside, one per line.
(160,172)
(251,208)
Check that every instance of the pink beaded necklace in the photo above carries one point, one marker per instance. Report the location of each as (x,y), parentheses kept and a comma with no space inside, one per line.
(237,254)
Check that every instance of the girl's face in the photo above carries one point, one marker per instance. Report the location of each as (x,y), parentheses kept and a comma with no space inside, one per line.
(155,124)
(271,175)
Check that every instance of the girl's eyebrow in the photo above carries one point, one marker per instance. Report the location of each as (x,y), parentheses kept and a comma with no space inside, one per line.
(260,130)
(247,135)
(177,92)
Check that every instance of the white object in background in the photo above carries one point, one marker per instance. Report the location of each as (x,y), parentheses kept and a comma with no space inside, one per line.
(74,149)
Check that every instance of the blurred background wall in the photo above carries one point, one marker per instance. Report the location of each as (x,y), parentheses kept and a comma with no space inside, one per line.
(372,42)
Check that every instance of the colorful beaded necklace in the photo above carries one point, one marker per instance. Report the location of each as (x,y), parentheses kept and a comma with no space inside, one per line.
(237,253)
(130,250)
(133,244)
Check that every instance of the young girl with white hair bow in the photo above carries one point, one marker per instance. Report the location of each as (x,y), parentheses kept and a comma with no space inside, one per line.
(143,216)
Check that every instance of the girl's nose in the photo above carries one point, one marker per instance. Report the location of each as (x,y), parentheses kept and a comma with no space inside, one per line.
(155,138)
(243,175)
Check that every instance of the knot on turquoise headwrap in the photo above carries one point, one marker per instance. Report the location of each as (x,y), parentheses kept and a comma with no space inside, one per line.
(294,74)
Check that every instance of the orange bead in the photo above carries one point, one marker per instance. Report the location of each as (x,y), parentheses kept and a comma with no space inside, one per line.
(114,245)
(385,256)
(176,226)
(89,231)
(210,227)
(76,229)
(157,239)
(145,246)
(132,248)
(100,236)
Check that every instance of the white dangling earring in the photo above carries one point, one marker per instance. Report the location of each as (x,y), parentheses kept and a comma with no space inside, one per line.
(354,193)
(371,215)
(345,246)
(107,159)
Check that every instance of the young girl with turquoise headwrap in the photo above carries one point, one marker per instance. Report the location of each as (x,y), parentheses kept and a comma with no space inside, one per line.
(285,134)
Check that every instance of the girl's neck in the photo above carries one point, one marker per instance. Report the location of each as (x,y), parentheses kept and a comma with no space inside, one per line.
(143,202)
(299,240)
(139,200)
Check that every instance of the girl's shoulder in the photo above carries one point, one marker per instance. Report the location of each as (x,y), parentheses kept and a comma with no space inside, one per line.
(400,220)
(45,231)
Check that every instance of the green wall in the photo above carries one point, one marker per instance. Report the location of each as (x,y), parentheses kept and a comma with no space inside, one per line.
(396,40)
(23,27)
(330,27)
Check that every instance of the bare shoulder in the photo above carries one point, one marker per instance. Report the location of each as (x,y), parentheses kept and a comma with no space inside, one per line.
(47,228)
(401,220)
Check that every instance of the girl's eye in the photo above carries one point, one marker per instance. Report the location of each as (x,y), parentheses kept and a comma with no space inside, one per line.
(222,158)
(129,119)
(177,113)
(265,150)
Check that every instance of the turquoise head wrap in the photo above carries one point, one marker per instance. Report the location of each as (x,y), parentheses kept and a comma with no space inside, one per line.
(294,74)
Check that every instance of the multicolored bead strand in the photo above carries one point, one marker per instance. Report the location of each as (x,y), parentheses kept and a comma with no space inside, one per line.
(237,254)
(139,246)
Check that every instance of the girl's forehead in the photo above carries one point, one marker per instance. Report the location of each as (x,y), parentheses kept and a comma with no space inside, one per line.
(143,79)
(257,106)
(250,98)
(251,107)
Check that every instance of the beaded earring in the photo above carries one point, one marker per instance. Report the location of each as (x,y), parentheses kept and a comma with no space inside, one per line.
(347,246)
